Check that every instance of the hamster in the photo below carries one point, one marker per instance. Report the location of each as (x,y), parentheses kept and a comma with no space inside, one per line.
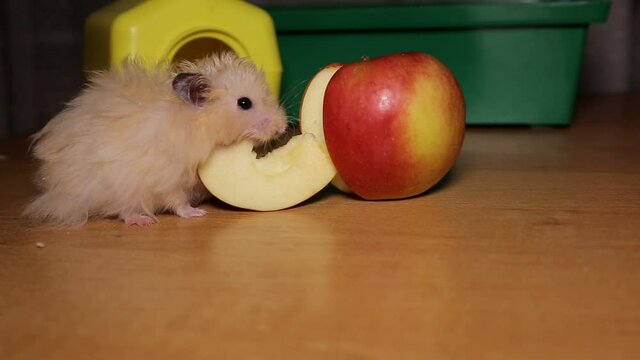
(129,144)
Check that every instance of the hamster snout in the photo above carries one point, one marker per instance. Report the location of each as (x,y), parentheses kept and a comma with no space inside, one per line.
(267,128)
(263,126)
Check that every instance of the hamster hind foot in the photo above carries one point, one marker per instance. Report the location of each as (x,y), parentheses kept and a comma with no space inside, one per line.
(139,220)
(187,211)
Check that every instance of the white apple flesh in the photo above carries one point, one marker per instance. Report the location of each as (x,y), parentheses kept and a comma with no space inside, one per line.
(311,116)
(283,178)
(312,100)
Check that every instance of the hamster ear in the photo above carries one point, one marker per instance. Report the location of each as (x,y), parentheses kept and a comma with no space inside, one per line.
(191,87)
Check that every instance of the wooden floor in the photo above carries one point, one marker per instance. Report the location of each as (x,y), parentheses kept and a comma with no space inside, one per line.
(529,250)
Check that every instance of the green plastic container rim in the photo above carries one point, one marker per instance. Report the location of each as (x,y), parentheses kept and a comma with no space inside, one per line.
(439,15)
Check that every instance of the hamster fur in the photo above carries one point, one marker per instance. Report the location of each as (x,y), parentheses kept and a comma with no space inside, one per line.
(130,143)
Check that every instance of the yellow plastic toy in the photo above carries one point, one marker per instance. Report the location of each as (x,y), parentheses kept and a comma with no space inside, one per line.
(181,29)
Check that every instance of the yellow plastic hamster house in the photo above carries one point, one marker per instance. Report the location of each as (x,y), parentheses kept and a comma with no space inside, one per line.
(185,29)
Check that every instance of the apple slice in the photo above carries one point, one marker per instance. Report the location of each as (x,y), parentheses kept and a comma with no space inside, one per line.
(312,99)
(311,111)
(283,178)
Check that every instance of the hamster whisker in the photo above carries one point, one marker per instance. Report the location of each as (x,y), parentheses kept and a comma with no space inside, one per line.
(293,121)
(294,90)
(287,99)
(262,148)
(293,128)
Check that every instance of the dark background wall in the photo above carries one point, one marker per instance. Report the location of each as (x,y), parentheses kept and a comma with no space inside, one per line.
(41,45)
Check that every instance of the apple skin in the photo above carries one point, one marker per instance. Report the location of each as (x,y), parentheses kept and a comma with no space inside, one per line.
(393,125)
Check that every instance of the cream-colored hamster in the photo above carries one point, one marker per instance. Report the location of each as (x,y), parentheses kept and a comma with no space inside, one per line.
(129,145)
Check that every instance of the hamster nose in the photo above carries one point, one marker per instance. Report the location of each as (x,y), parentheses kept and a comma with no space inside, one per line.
(261,124)
(265,124)
(263,127)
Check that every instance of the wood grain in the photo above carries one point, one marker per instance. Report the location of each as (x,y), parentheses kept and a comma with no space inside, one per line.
(530,249)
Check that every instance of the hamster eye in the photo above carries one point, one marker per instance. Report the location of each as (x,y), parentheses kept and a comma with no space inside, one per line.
(244,103)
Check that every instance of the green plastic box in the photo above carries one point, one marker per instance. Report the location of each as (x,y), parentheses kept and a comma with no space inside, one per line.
(518,63)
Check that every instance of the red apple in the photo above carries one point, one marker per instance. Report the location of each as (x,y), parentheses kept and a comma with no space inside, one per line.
(393,125)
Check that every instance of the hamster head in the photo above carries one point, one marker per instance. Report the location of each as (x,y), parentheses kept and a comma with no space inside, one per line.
(232,91)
